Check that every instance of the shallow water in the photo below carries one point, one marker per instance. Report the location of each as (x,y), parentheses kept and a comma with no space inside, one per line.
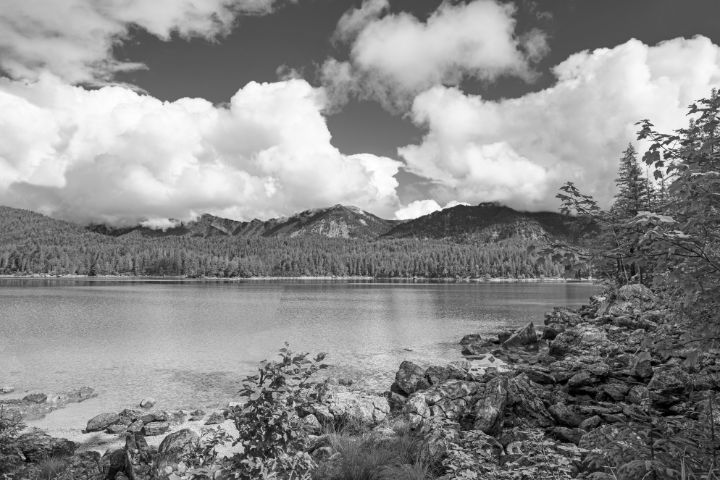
(187,343)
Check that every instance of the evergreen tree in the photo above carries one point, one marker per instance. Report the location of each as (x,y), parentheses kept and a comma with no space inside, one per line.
(633,189)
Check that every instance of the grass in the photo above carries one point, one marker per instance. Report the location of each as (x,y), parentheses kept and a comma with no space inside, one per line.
(369,457)
(51,467)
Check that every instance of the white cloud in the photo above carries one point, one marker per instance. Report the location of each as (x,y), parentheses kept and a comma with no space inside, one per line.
(113,155)
(418,208)
(74,38)
(396,56)
(519,151)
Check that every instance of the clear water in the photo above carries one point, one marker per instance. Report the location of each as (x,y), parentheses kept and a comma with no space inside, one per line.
(187,343)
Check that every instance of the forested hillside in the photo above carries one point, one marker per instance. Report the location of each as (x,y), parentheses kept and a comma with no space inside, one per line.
(34,244)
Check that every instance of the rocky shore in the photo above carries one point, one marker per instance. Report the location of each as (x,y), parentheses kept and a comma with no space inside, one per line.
(607,391)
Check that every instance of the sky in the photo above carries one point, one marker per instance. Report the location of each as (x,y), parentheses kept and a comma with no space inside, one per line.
(128,111)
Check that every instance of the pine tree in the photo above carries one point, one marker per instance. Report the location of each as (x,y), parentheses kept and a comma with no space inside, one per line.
(633,189)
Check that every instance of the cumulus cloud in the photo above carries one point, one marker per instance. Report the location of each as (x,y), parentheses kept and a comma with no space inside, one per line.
(74,38)
(396,56)
(113,155)
(519,151)
(418,208)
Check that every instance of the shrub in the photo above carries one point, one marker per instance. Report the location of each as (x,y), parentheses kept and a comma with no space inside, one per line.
(272,441)
(10,425)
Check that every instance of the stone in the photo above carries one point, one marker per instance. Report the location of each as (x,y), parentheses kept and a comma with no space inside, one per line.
(35,398)
(81,394)
(160,416)
(138,457)
(5,389)
(591,422)
(526,401)
(489,409)
(523,336)
(475,350)
(563,344)
(101,422)
(215,418)
(311,424)
(471,338)
(566,415)
(582,378)
(567,435)
(196,415)
(116,428)
(438,374)
(642,367)
(410,378)
(155,428)
(615,391)
(638,395)
(136,426)
(147,403)
(174,450)
(36,445)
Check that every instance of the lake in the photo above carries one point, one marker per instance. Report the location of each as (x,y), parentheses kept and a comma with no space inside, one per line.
(187,343)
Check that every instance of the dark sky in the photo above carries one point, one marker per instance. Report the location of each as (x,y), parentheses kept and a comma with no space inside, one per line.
(298,36)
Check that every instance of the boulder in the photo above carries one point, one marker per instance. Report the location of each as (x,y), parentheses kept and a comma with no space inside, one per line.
(410,378)
(563,344)
(567,435)
(101,422)
(642,367)
(138,457)
(311,424)
(147,403)
(116,428)
(160,416)
(176,448)
(361,407)
(438,374)
(215,418)
(566,415)
(523,336)
(489,409)
(526,402)
(35,398)
(155,428)
(36,445)
(667,385)
(470,339)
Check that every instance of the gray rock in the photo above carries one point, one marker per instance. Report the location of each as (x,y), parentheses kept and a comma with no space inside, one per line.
(410,378)
(147,403)
(471,338)
(35,398)
(37,445)
(523,336)
(215,418)
(155,428)
(642,367)
(101,422)
(566,415)
(6,389)
(567,435)
(311,424)
(177,447)
(490,409)
(116,428)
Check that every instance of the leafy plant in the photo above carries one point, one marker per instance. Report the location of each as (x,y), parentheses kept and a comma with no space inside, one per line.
(273,444)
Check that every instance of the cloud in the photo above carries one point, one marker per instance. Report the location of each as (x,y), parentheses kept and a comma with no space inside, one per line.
(519,151)
(396,56)
(113,155)
(418,208)
(74,39)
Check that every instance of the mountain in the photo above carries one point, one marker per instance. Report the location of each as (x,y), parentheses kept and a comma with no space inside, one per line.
(484,222)
(19,226)
(338,221)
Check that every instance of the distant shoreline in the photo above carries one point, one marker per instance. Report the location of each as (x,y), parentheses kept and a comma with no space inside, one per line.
(299,278)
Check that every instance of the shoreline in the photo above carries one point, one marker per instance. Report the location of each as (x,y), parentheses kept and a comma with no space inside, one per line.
(131,278)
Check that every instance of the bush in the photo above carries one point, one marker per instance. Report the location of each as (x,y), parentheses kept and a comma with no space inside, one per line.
(269,432)
(10,425)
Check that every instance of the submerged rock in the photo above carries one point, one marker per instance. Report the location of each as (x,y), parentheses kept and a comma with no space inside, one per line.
(523,336)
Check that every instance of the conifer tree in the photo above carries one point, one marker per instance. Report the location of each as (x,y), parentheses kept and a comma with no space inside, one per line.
(633,189)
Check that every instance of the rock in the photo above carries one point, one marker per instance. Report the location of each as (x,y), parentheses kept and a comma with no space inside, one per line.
(563,344)
(591,422)
(489,410)
(526,401)
(101,422)
(155,428)
(615,391)
(322,413)
(35,398)
(582,378)
(523,336)
(138,458)
(215,418)
(567,435)
(364,408)
(37,445)
(410,378)
(83,466)
(196,415)
(80,395)
(471,338)
(438,374)
(503,336)
(147,403)
(136,426)
(311,424)
(175,449)
(667,385)
(5,389)
(160,416)
(475,350)
(566,415)
(639,394)
(636,292)
(116,428)
(642,367)
(551,331)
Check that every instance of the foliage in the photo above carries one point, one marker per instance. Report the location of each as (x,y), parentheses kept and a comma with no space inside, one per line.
(10,426)
(685,240)
(51,467)
(273,443)
(34,244)
(365,457)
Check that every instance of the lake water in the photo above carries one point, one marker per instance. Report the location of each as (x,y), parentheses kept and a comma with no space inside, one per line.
(187,343)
